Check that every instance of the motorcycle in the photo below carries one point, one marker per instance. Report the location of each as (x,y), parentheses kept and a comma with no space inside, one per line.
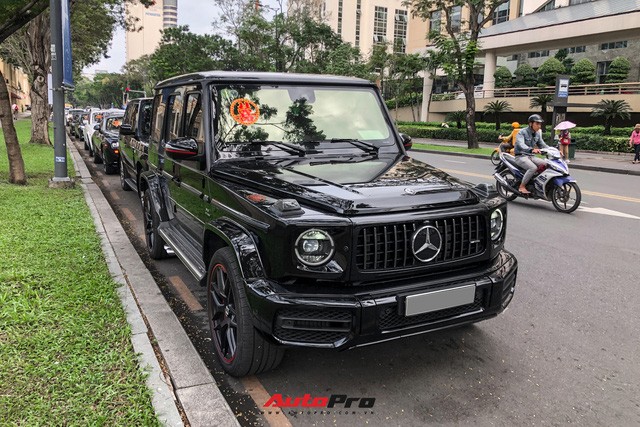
(495,155)
(551,182)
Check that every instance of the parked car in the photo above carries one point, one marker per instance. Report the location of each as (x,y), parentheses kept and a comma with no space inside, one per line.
(105,146)
(70,114)
(134,136)
(292,199)
(76,123)
(95,117)
(478,92)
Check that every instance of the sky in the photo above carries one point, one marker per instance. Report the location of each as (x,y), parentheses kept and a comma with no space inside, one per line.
(197,14)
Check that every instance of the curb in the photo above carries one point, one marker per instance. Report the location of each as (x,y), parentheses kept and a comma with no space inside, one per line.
(190,384)
(572,166)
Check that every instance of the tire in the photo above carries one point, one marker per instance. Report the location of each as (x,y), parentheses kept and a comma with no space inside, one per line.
(566,198)
(96,158)
(504,192)
(238,346)
(124,175)
(86,146)
(109,168)
(155,244)
(495,158)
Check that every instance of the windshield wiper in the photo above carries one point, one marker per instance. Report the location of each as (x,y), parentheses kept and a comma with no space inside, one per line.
(289,148)
(364,146)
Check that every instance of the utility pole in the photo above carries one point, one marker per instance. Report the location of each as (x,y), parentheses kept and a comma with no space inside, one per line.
(58,53)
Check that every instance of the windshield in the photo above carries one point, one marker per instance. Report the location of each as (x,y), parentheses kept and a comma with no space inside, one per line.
(313,118)
(113,124)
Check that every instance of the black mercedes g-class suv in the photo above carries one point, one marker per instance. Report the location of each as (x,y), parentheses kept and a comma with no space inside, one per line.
(134,135)
(291,197)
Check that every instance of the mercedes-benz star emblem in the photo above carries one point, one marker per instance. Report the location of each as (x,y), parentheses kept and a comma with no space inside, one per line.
(426,243)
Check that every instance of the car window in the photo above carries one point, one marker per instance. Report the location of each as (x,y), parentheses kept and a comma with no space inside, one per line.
(113,123)
(158,117)
(145,118)
(299,114)
(193,118)
(174,123)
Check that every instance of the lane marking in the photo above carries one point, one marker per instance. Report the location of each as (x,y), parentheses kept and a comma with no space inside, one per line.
(185,293)
(130,216)
(456,161)
(275,418)
(587,192)
(603,211)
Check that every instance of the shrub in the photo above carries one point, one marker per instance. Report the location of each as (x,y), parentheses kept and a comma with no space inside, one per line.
(583,72)
(619,70)
(503,77)
(548,71)
(525,76)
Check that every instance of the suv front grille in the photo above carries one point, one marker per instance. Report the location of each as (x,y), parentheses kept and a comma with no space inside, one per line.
(386,247)
(312,326)
(389,318)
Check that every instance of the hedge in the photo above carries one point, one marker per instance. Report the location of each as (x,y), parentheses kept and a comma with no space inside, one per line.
(583,141)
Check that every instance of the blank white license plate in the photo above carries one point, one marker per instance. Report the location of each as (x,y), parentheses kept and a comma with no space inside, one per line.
(439,300)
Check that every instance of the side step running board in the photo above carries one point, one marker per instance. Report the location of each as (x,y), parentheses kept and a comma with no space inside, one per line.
(189,254)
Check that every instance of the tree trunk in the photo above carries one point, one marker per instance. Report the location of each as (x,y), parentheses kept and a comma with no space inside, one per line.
(472,136)
(17,174)
(39,42)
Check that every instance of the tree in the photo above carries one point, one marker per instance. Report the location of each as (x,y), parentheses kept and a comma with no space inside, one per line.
(17,173)
(525,76)
(456,116)
(562,55)
(459,47)
(618,70)
(583,72)
(15,14)
(548,71)
(497,108)
(541,101)
(404,70)
(346,60)
(611,109)
(205,52)
(503,77)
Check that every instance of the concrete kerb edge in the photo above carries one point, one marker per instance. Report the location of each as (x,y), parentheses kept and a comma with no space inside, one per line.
(573,165)
(163,397)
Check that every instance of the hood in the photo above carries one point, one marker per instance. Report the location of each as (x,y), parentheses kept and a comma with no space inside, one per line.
(355,185)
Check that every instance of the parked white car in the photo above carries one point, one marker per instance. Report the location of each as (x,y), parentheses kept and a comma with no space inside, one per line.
(95,117)
(478,92)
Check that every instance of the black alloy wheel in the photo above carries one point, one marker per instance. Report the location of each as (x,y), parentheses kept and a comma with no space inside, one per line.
(96,157)
(495,157)
(109,168)
(155,244)
(512,181)
(239,347)
(567,197)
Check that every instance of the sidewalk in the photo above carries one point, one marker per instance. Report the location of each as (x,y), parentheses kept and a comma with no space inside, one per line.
(185,385)
(620,163)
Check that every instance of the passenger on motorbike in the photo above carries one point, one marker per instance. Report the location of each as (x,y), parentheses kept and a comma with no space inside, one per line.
(509,141)
(528,144)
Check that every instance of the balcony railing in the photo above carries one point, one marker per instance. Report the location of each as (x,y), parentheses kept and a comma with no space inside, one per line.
(574,90)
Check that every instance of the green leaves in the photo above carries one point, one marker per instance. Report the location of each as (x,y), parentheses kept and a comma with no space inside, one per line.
(610,110)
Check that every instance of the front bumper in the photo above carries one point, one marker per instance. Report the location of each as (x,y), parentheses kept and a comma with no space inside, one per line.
(348,320)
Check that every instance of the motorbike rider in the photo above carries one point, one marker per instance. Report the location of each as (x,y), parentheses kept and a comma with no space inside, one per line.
(509,141)
(528,144)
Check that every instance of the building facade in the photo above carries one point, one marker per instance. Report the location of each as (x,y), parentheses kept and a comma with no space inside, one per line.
(151,21)
(366,23)
(17,85)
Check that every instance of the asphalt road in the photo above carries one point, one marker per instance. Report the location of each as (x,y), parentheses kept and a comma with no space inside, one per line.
(565,352)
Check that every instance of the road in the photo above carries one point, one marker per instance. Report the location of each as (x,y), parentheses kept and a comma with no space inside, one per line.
(565,351)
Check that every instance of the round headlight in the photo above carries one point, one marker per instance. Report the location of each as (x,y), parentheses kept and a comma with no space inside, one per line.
(314,247)
(497,223)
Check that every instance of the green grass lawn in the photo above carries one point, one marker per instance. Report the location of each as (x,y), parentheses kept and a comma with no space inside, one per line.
(65,351)
(453,149)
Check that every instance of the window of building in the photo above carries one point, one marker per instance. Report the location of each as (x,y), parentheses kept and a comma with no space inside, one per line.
(380,25)
(434,21)
(573,2)
(578,49)
(358,13)
(456,18)
(550,5)
(340,2)
(602,69)
(538,54)
(501,14)
(613,45)
(400,31)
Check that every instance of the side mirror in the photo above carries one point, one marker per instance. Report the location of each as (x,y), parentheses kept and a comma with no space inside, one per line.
(96,127)
(406,141)
(126,130)
(182,149)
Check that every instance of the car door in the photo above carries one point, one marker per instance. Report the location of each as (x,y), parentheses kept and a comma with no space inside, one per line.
(185,176)
(127,152)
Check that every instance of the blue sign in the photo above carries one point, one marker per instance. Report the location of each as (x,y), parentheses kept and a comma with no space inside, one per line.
(563,88)
(67,73)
